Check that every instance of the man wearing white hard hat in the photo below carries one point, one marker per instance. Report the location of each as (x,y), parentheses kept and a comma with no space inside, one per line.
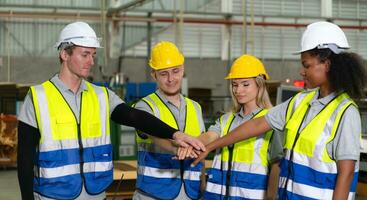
(64,147)
(322,126)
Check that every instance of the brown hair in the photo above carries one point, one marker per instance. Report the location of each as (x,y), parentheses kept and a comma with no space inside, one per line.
(69,50)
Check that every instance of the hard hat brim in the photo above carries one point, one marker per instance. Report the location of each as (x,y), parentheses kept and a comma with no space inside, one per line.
(83,42)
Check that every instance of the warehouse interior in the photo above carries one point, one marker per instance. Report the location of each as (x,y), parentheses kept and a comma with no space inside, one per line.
(210,33)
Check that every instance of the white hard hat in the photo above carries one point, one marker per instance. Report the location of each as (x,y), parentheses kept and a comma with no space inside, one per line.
(78,33)
(324,35)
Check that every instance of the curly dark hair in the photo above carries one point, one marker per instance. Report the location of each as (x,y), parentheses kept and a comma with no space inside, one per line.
(347,72)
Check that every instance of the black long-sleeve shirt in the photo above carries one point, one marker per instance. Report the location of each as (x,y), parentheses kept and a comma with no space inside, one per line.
(28,140)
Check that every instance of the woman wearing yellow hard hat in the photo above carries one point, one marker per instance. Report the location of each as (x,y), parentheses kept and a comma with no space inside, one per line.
(242,170)
(322,126)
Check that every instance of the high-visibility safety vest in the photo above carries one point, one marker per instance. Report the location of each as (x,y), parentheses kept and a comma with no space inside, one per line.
(72,153)
(307,171)
(158,175)
(239,171)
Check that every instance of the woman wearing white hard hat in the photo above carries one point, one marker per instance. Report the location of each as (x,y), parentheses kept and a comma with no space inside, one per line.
(322,126)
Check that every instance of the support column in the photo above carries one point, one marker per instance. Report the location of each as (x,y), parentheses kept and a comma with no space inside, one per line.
(226,7)
(327,8)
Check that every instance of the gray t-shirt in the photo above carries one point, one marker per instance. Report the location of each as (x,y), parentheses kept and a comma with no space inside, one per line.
(180,115)
(346,144)
(27,116)
(275,150)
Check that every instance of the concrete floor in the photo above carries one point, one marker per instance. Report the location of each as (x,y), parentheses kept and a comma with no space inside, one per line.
(9,189)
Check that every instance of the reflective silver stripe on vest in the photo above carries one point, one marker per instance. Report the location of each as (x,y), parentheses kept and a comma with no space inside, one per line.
(315,164)
(74,169)
(246,193)
(297,100)
(45,121)
(59,171)
(159,173)
(192,175)
(326,133)
(97,167)
(309,191)
(240,167)
(215,188)
(236,191)
(105,138)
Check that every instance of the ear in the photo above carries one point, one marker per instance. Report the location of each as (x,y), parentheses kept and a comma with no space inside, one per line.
(64,55)
(153,75)
(327,65)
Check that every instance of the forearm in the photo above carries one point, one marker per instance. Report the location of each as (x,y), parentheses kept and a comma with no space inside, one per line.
(246,130)
(272,190)
(208,137)
(344,179)
(28,138)
(141,120)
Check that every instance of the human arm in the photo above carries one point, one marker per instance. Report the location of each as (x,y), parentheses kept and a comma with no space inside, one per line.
(273,181)
(275,153)
(188,152)
(28,138)
(249,129)
(126,115)
(344,179)
(345,149)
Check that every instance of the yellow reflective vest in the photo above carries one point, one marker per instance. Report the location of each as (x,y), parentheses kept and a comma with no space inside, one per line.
(72,152)
(158,175)
(307,170)
(239,171)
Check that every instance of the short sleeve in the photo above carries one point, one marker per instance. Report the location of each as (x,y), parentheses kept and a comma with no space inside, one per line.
(275,149)
(141,105)
(346,144)
(114,100)
(27,113)
(276,116)
(216,127)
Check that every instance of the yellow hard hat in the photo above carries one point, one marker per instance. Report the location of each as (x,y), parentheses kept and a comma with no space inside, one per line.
(247,66)
(165,55)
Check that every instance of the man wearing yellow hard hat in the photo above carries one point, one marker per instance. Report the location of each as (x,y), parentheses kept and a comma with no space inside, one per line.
(160,176)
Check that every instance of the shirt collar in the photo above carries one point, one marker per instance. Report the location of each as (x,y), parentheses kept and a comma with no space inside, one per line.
(61,86)
(252,114)
(165,100)
(323,100)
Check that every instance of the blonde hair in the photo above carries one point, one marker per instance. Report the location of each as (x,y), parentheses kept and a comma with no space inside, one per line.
(262,97)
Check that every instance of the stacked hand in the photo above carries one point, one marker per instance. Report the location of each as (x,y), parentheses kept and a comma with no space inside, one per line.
(186,152)
(189,147)
(200,157)
(189,152)
(183,140)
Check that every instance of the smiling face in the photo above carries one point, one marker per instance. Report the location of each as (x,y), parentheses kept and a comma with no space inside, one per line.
(169,80)
(245,90)
(79,62)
